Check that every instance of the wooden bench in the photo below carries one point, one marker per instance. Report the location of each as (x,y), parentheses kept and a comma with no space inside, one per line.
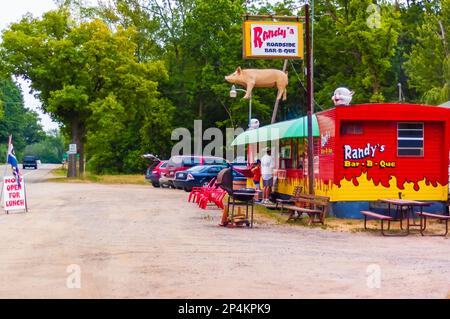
(380,217)
(423,221)
(295,194)
(315,206)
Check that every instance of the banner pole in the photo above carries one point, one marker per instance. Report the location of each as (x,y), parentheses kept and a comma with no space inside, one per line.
(25,194)
(6,168)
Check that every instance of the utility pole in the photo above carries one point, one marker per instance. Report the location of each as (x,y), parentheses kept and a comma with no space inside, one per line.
(309,99)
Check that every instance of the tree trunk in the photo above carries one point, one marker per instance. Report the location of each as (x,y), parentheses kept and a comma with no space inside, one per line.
(80,145)
(444,41)
(78,131)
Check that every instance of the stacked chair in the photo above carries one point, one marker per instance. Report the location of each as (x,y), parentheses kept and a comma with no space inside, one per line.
(207,194)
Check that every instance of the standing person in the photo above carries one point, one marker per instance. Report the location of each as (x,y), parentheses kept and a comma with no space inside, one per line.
(256,170)
(267,166)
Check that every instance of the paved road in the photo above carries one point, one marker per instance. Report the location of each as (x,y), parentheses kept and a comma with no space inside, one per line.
(140,242)
(32,175)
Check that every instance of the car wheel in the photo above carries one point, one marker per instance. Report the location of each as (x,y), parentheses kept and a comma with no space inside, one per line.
(205,183)
(156,185)
(186,189)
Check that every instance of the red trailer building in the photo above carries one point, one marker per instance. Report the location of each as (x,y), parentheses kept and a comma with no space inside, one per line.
(370,151)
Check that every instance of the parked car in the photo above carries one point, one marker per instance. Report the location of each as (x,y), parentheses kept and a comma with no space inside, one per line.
(243,168)
(154,173)
(201,176)
(179,163)
(166,182)
(30,161)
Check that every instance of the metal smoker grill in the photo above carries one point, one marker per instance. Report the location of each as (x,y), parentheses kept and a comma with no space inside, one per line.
(241,197)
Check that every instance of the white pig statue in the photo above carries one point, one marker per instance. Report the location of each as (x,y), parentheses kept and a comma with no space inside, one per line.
(342,96)
(264,78)
(254,124)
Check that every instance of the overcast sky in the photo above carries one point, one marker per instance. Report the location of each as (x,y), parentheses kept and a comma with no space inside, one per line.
(12,11)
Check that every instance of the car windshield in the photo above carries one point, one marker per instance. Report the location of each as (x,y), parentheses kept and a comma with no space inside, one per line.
(29,158)
(186,161)
(163,165)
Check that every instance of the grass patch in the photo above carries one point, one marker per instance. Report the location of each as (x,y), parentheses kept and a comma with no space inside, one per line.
(60,172)
(133,179)
(272,214)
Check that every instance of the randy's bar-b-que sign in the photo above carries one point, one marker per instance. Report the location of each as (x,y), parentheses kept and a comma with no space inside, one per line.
(273,40)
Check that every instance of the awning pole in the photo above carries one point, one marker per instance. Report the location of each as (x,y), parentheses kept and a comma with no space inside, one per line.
(309,100)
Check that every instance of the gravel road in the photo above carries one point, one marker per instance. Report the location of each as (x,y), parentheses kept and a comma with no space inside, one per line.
(140,242)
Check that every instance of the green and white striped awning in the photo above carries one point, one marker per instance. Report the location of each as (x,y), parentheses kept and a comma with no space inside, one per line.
(282,130)
(446,104)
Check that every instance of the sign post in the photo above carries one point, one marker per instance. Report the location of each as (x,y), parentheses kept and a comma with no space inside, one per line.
(309,100)
(284,40)
(72,167)
(14,195)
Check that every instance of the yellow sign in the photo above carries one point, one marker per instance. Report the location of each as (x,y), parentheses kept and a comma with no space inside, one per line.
(273,40)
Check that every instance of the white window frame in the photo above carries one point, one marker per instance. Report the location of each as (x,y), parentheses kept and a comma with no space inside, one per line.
(411,139)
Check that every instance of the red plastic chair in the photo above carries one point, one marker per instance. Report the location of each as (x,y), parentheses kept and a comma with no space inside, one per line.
(196,191)
(205,192)
(215,196)
(218,199)
(193,194)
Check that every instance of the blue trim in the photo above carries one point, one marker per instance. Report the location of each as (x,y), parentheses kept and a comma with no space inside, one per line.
(348,209)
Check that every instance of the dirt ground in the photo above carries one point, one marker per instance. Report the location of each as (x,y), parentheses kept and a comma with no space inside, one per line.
(140,242)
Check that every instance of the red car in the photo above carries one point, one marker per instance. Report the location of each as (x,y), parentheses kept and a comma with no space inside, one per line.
(155,173)
(183,162)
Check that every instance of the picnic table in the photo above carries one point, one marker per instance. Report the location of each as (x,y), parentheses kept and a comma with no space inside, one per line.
(404,210)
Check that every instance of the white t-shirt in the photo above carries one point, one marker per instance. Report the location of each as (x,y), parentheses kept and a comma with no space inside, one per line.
(267,165)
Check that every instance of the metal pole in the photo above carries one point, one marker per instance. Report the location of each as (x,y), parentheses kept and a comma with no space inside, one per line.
(6,167)
(309,100)
(250,112)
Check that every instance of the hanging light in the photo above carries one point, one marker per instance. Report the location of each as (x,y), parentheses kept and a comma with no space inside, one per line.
(233,92)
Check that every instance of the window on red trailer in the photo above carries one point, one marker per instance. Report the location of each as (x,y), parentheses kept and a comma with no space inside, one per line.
(410,139)
(351,128)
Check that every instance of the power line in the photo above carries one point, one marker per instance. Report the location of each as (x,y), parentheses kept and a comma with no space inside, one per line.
(303,86)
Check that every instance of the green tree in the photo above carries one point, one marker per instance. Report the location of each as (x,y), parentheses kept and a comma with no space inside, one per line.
(50,150)
(354,46)
(201,41)
(78,69)
(428,67)
(17,120)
